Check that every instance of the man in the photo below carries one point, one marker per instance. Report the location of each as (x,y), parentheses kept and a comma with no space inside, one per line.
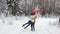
(31,22)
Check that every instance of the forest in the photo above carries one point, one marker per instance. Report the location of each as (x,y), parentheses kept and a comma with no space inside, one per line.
(25,7)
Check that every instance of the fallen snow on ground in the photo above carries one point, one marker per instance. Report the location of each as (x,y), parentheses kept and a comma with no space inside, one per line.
(12,25)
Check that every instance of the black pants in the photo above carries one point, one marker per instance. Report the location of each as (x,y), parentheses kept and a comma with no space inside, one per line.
(29,23)
(32,27)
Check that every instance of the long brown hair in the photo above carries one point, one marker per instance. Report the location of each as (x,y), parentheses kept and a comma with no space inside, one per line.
(32,14)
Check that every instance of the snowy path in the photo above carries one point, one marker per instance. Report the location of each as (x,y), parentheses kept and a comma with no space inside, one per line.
(13,26)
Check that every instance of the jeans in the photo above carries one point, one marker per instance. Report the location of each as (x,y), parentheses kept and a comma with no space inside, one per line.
(32,27)
(28,24)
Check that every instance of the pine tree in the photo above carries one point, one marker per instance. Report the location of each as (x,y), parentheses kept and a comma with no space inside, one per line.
(13,5)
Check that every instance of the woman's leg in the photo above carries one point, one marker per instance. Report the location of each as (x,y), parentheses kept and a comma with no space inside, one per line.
(28,24)
(25,23)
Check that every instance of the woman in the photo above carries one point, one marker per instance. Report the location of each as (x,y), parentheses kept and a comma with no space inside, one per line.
(31,22)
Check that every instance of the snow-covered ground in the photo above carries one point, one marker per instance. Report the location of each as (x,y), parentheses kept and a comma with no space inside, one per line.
(12,25)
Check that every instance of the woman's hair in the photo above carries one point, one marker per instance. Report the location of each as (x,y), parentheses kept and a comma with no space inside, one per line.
(32,14)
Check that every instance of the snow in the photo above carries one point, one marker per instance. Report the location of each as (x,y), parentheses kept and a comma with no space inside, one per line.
(12,25)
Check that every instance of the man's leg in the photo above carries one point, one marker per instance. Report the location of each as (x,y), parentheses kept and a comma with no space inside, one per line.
(32,27)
